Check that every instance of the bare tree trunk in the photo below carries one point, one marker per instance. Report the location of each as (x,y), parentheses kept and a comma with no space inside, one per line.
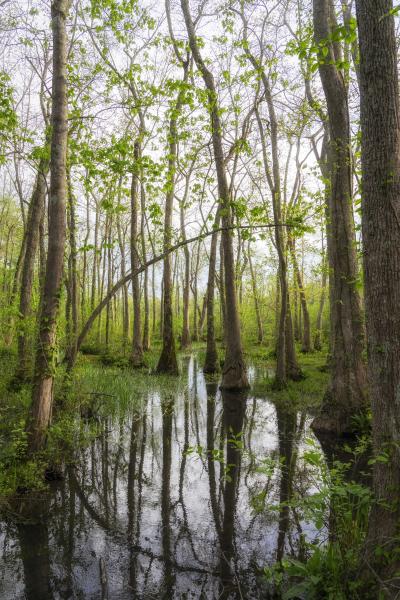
(234,376)
(380,151)
(42,396)
(346,395)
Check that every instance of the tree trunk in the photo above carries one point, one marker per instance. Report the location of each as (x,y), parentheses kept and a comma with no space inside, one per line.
(42,396)
(380,152)
(168,362)
(346,395)
(234,376)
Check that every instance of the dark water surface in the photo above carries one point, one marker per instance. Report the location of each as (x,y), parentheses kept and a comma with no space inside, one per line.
(177,500)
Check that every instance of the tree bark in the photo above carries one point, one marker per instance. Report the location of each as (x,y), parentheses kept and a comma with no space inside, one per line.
(346,395)
(42,396)
(380,152)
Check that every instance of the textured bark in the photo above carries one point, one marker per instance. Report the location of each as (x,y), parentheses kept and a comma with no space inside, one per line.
(137,348)
(234,374)
(42,396)
(380,151)
(32,235)
(346,395)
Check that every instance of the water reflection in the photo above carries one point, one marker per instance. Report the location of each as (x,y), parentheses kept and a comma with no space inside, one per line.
(176,499)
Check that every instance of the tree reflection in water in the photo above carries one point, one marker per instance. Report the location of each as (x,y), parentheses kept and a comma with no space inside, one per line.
(169,501)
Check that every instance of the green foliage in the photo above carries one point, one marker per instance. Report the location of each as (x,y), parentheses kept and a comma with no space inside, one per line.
(340,505)
(8,117)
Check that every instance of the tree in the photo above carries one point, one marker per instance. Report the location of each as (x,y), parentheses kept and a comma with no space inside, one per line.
(42,395)
(234,374)
(380,151)
(346,395)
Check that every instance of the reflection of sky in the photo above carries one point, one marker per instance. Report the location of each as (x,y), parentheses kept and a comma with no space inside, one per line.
(255,536)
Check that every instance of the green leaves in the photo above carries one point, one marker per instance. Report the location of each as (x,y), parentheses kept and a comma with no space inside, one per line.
(8,117)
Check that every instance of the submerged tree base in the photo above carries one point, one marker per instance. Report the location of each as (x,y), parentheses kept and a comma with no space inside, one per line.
(339,418)
(234,376)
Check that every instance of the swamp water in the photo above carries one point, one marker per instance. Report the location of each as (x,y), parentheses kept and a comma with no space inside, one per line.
(177,499)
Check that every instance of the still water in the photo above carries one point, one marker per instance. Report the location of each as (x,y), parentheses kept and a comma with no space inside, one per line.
(178,499)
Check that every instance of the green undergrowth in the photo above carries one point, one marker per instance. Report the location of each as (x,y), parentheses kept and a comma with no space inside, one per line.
(82,400)
(306,393)
(337,507)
